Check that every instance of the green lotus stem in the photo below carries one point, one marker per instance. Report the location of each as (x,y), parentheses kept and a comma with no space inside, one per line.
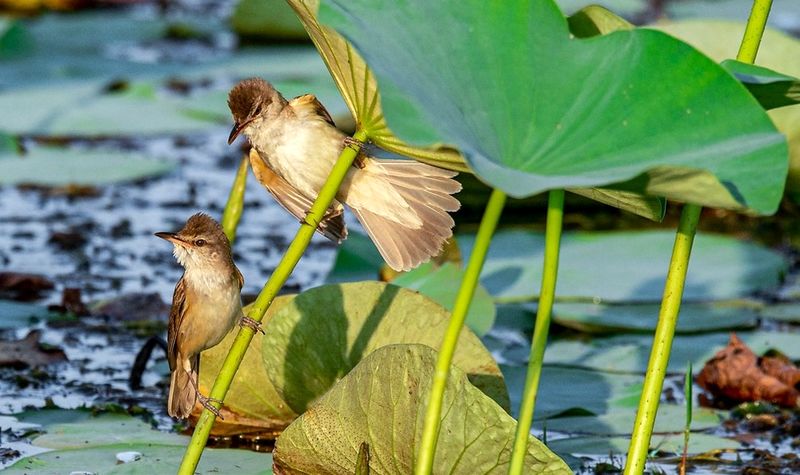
(430,431)
(754,31)
(233,208)
(662,341)
(264,300)
(552,245)
(676,277)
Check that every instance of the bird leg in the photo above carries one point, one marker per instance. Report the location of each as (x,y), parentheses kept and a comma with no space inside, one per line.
(206,401)
(248,322)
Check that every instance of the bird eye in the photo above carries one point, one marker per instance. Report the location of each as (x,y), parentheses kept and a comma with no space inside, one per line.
(200,242)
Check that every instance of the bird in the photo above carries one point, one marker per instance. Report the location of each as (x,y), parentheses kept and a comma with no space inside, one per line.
(402,204)
(206,305)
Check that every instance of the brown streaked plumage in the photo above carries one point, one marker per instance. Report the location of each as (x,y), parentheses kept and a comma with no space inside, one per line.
(206,304)
(402,204)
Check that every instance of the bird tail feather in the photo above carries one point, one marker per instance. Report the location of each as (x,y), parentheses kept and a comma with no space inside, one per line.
(427,191)
(182,395)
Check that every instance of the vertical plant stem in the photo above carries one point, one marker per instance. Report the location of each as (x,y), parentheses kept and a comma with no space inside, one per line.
(662,341)
(552,245)
(235,205)
(754,31)
(264,300)
(430,431)
(676,277)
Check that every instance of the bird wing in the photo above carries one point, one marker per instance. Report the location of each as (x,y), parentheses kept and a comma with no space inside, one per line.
(176,314)
(332,225)
(308,105)
(239,277)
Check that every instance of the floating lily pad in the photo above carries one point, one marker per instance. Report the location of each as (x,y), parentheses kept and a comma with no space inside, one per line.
(784,15)
(323,333)
(626,266)
(669,443)
(442,285)
(626,8)
(382,402)
(787,312)
(61,167)
(670,418)
(694,317)
(267,19)
(565,390)
(592,112)
(97,445)
(356,259)
(85,109)
(630,353)
(18,314)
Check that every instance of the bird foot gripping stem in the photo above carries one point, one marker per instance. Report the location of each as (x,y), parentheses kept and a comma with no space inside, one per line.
(206,401)
(251,324)
(358,146)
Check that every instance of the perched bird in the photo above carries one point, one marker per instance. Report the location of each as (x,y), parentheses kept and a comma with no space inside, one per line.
(205,306)
(402,204)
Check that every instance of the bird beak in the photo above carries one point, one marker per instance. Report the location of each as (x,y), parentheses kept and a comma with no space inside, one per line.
(237,129)
(173,238)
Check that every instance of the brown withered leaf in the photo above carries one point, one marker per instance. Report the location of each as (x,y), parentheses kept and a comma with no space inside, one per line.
(233,423)
(734,375)
(27,352)
(24,287)
(781,368)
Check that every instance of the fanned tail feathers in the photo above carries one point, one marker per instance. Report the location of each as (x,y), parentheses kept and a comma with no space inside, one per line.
(427,191)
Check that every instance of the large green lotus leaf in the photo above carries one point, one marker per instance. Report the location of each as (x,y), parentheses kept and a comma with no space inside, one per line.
(533,108)
(694,318)
(720,41)
(91,445)
(60,167)
(382,402)
(630,353)
(772,89)
(442,285)
(251,394)
(323,333)
(359,89)
(626,266)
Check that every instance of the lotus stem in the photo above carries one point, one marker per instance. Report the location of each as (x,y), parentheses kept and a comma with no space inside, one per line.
(430,431)
(235,205)
(676,277)
(552,246)
(279,276)
(662,341)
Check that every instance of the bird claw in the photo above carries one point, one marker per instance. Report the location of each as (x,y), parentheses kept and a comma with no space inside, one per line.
(251,324)
(353,143)
(206,402)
